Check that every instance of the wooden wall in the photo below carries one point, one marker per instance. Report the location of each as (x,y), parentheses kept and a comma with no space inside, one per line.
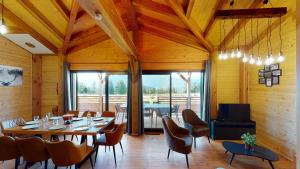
(298,85)
(274,108)
(16,101)
(36,84)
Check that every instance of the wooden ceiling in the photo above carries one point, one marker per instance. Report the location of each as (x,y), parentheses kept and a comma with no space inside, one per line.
(65,25)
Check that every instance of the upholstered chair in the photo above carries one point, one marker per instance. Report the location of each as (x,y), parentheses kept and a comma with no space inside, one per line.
(33,150)
(9,150)
(178,139)
(111,138)
(92,113)
(73,112)
(66,153)
(195,125)
(109,114)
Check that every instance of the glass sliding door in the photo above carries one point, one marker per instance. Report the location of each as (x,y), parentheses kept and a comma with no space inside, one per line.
(156,98)
(117,95)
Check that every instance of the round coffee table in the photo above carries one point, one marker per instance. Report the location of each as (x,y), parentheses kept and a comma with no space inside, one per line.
(258,151)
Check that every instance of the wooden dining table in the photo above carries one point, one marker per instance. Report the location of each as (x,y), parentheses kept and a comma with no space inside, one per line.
(68,129)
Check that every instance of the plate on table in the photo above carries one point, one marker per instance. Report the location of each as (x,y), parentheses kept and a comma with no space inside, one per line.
(31,122)
(83,128)
(30,127)
(55,118)
(103,123)
(98,119)
(57,127)
(77,118)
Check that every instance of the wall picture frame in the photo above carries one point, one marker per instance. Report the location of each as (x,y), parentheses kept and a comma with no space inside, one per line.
(269,82)
(274,66)
(261,80)
(275,80)
(277,72)
(11,76)
(267,68)
(261,72)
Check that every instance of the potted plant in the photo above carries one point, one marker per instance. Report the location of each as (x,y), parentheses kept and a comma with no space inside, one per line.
(249,140)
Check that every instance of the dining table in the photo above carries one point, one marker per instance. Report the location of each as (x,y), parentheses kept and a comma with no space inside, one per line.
(77,126)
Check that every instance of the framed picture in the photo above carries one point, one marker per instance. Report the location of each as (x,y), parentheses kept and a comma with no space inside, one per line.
(267,68)
(274,66)
(261,80)
(275,80)
(268,74)
(269,82)
(276,72)
(261,73)
(11,76)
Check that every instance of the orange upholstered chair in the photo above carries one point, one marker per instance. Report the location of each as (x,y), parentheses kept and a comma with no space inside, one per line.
(9,150)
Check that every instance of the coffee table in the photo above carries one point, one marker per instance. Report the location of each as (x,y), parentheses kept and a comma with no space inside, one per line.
(258,151)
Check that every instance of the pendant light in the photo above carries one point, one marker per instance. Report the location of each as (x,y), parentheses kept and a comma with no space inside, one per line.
(280,57)
(3,29)
(238,52)
(232,55)
(225,55)
(252,60)
(259,61)
(220,56)
(245,58)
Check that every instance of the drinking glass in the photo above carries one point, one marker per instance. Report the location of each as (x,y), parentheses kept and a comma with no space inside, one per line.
(36,118)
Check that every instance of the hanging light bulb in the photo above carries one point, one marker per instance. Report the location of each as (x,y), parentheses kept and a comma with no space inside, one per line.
(252,60)
(280,57)
(3,28)
(258,62)
(268,60)
(220,55)
(238,53)
(225,56)
(271,59)
(232,55)
(245,58)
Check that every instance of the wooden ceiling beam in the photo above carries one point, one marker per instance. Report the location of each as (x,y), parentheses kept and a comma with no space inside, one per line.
(153,6)
(41,18)
(251,13)
(191,25)
(21,24)
(60,6)
(73,15)
(89,41)
(133,20)
(240,25)
(87,37)
(111,23)
(171,36)
(264,33)
(218,6)
(189,8)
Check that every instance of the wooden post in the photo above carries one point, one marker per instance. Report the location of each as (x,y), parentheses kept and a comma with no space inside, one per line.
(36,85)
(213,85)
(60,82)
(243,82)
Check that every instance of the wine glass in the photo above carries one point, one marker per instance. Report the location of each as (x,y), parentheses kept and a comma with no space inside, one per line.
(36,118)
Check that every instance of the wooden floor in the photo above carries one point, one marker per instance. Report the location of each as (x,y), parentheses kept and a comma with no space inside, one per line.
(150,152)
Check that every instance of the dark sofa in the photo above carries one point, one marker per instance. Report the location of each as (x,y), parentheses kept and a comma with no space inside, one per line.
(233,120)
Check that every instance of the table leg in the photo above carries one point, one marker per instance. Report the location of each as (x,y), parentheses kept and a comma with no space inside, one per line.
(271,164)
(83,139)
(232,157)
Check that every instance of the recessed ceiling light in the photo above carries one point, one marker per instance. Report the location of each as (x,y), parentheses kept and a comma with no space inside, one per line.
(29,44)
(98,16)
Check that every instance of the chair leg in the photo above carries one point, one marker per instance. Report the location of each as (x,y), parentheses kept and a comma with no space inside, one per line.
(64,137)
(208,139)
(187,160)
(105,149)
(121,147)
(72,137)
(46,164)
(91,161)
(194,142)
(26,165)
(96,154)
(115,155)
(76,166)
(55,167)
(169,153)
(17,162)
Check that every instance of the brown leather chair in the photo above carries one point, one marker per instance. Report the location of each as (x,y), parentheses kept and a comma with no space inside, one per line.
(33,150)
(195,125)
(111,138)
(73,112)
(66,153)
(111,125)
(9,150)
(92,113)
(178,139)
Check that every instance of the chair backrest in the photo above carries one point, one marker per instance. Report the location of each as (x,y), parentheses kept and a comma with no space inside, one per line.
(189,116)
(175,109)
(169,126)
(8,148)
(74,112)
(32,149)
(108,114)
(115,136)
(118,107)
(64,153)
(92,113)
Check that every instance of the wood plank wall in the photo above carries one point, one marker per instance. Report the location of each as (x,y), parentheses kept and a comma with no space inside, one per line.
(274,108)
(36,84)
(298,84)
(16,101)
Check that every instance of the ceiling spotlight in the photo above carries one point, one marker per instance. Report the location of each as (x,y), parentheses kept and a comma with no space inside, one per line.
(98,16)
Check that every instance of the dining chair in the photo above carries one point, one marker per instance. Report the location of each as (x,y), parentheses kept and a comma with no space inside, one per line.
(55,111)
(9,150)
(109,114)
(195,125)
(111,138)
(92,113)
(33,150)
(178,139)
(66,153)
(73,112)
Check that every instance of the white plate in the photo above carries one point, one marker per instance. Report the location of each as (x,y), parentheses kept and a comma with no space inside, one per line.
(59,127)
(77,118)
(81,128)
(98,119)
(55,118)
(32,122)
(100,124)
(30,127)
